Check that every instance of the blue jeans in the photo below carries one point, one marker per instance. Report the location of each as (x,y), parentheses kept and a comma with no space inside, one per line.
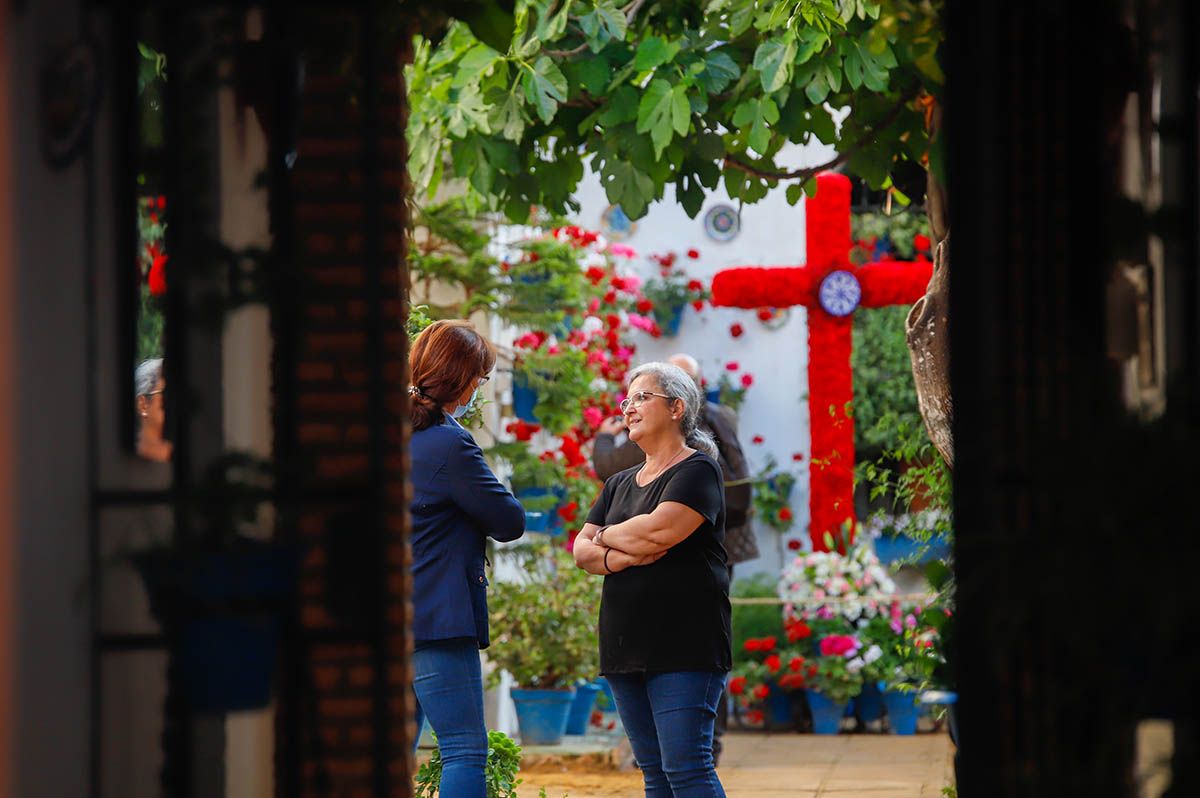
(669,719)
(449,687)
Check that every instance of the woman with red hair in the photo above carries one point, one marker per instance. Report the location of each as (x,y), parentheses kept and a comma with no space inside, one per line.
(457,503)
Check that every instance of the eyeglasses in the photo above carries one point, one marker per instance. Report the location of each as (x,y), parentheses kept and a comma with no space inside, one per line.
(640,398)
(483,380)
(155,393)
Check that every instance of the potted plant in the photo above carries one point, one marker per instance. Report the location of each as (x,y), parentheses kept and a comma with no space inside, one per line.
(772,491)
(902,661)
(836,679)
(546,620)
(500,771)
(534,479)
(671,292)
(220,593)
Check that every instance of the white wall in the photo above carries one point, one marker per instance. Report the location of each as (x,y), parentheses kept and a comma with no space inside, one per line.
(776,407)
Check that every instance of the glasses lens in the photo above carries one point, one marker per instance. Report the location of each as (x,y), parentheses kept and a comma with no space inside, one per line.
(483,380)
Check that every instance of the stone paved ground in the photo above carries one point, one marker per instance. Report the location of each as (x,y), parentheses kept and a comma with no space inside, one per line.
(791,765)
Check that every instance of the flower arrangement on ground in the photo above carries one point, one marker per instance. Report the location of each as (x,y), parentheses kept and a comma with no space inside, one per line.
(853,585)
(766,664)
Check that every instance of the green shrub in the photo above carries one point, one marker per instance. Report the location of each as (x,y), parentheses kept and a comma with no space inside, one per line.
(754,620)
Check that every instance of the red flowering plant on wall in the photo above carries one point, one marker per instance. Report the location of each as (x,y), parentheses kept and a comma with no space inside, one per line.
(673,289)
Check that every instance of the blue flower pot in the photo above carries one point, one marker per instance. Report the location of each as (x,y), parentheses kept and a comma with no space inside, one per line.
(902,711)
(669,320)
(542,714)
(221,611)
(581,707)
(869,703)
(546,521)
(713,395)
(893,548)
(524,400)
(779,707)
(826,715)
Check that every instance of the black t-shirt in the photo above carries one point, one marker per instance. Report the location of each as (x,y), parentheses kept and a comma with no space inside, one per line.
(672,615)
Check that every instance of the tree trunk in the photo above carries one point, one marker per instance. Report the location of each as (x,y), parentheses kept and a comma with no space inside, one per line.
(928,333)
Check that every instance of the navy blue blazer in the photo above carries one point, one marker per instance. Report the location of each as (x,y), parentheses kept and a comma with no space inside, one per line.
(457,502)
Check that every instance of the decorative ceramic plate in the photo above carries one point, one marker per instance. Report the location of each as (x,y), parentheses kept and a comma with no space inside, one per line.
(615,225)
(722,223)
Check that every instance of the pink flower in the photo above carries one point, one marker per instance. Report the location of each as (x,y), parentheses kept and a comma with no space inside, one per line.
(594,306)
(622,251)
(597,357)
(642,323)
(593,416)
(910,622)
(553,349)
(896,626)
(732,366)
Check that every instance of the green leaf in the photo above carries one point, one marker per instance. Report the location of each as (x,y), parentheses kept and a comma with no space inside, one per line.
(663,110)
(759,114)
(719,71)
(794,192)
(817,89)
(508,118)
(592,74)
(474,65)
(854,68)
(545,87)
(604,23)
(653,52)
(468,112)
(821,124)
(622,107)
(627,186)
(811,42)
(930,68)
(550,28)
(773,60)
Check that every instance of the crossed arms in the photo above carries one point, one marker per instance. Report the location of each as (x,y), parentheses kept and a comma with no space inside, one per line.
(641,540)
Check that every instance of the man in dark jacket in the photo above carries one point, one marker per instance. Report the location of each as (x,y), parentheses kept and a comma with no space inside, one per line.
(612,451)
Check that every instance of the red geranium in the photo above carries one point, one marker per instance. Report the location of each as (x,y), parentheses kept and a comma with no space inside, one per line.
(794,545)
(737,685)
(761,691)
(785,514)
(757,440)
(695,285)
(732,366)
(797,456)
(736,330)
(773,663)
(567,512)
(764,314)
(595,274)
(921,242)
(754,717)
(645,306)
(610,297)
(698,304)
(798,630)
(747,380)
(157,278)
(693,254)
(796,664)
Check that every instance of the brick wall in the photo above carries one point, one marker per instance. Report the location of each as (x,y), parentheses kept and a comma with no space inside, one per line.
(344,722)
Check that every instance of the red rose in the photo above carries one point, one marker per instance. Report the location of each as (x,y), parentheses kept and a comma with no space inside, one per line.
(157,278)
(610,297)
(693,254)
(761,691)
(751,644)
(595,274)
(698,305)
(747,380)
(785,514)
(767,643)
(645,306)
(736,330)
(732,366)
(796,664)
(695,285)
(773,663)
(757,440)
(794,544)
(737,685)
(765,314)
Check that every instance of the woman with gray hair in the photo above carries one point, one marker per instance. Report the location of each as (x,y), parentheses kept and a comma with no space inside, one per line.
(149,386)
(656,535)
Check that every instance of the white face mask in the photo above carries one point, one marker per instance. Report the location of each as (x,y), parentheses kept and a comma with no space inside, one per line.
(461,410)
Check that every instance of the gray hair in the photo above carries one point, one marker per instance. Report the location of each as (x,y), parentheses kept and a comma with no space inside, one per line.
(678,384)
(146,376)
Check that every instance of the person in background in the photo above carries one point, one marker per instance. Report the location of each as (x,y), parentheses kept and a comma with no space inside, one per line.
(457,503)
(150,386)
(613,451)
(656,533)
